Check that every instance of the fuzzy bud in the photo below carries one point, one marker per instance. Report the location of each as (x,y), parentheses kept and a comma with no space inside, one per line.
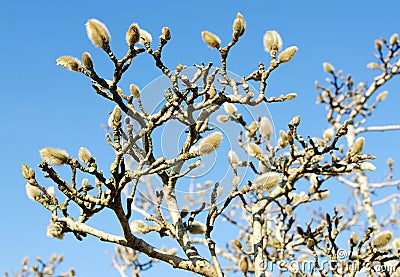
(253,150)
(322,195)
(233,158)
(272,42)
(33,192)
(70,63)
(212,40)
(87,61)
(54,156)
(98,34)
(84,155)
(114,121)
(132,35)
(239,26)
(235,181)
(394,39)
(328,67)
(54,231)
(291,96)
(222,118)
(353,241)
(197,228)
(283,140)
(244,265)
(378,45)
(165,34)
(287,54)
(27,172)
(382,239)
(145,37)
(382,96)
(266,128)
(328,134)
(138,227)
(135,91)
(230,108)
(358,146)
(310,243)
(210,143)
(266,182)
(367,166)
(51,191)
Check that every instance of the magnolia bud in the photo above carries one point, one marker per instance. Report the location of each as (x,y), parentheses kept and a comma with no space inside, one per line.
(84,155)
(358,146)
(114,121)
(138,227)
(212,40)
(394,38)
(382,96)
(328,67)
(239,26)
(378,45)
(382,239)
(230,108)
(135,91)
(33,192)
(145,37)
(132,35)
(87,61)
(266,182)
(328,134)
(165,34)
(54,156)
(272,42)
(291,96)
(253,149)
(197,228)
(266,128)
(27,172)
(233,158)
(353,241)
(70,63)
(210,143)
(287,54)
(98,33)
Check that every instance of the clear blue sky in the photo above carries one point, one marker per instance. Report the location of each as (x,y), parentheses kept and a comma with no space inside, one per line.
(45,105)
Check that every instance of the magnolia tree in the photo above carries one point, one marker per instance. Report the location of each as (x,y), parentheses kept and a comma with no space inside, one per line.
(223,126)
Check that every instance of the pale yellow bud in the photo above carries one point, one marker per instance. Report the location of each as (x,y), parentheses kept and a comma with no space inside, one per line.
(114,121)
(197,228)
(239,26)
(84,155)
(132,35)
(283,140)
(310,243)
(322,195)
(272,42)
(222,118)
(244,265)
(328,134)
(266,181)
(87,61)
(233,158)
(54,156)
(378,45)
(210,143)
(98,34)
(230,108)
(266,128)
(367,166)
(135,91)
(253,150)
(33,192)
(51,191)
(236,181)
(145,37)
(372,65)
(165,34)
(358,145)
(138,227)
(382,239)
(212,40)
(288,209)
(27,172)
(70,63)
(54,231)
(328,67)
(291,96)
(353,241)
(287,54)
(382,96)
(394,38)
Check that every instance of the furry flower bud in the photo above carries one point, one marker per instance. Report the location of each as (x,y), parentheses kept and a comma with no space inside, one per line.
(165,34)
(27,172)
(70,63)
(230,108)
(353,241)
(287,54)
(382,239)
(233,158)
(54,156)
(210,143)
(55,231)
(394,39)
(253,150)
(328,134)
(358,145)
(266,181)
(239,26)
(145,38)
(84,155)
(138,227)
(135,91)
(98,34)
(132,35)
(33,192)
(328,67)
(266,128)
(272,42)
(382,96)
(87,61)
(114,121)
(212,40)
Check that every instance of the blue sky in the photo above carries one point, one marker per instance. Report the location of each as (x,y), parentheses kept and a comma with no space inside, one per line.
(45,105)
